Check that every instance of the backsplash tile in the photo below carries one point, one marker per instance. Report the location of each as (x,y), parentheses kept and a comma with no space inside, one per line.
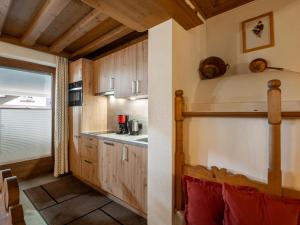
(137,109)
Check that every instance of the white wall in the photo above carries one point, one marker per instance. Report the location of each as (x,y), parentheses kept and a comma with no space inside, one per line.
(160,129)
(20,53)
(224,37)
(237,144)
(242,144)
(173,56)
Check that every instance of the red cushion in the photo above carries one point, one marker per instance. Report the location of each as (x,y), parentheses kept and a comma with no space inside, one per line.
(243,207)
(204,202)
(281,211)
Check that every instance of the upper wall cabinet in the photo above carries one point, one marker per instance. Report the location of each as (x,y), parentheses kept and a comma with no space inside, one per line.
(75,71)
(125,72)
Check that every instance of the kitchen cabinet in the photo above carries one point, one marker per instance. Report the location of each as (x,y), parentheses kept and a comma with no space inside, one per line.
(123,172)
(125,72)
(142,68)
(104,74)
(75,71)
(74,132)
(91,116)
(108,166)
(132,176)
(89,160)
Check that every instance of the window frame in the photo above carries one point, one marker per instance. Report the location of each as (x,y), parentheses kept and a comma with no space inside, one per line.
(44,164)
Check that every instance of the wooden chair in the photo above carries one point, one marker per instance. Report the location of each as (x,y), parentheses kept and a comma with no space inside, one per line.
(11,211)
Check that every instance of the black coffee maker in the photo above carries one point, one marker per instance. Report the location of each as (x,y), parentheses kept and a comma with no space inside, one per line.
(122,121)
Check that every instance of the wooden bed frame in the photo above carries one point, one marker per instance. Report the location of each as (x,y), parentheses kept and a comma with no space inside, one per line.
(274,115)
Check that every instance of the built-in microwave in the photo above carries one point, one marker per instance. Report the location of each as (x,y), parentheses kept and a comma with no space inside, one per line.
(75,94)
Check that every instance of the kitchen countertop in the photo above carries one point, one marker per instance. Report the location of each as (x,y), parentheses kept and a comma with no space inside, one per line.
(125,138)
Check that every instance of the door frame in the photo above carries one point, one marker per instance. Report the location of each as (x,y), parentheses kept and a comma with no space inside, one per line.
(35,167)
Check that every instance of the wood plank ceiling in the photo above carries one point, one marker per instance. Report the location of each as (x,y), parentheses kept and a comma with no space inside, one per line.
(79,28)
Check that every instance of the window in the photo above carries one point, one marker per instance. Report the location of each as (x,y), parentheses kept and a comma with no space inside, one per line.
(25,115)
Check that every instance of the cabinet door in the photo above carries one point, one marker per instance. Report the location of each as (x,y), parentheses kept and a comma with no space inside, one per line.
(142,68)
(74,129)
(89,171)
(75,71)
(126,74)
(103,74)
(132,176)
(108,167)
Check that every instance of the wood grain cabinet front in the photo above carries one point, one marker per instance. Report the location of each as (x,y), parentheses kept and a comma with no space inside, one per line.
(89,171)
(132,176)
(125,72)
(89,159)
(123,172)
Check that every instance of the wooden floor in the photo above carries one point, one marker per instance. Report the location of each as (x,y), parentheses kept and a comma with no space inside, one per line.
(69,201)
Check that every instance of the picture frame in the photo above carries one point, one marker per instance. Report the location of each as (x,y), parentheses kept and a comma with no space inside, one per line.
(258,32)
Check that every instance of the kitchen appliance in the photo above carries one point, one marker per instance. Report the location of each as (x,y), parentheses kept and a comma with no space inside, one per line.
(134,127)
(122,121)
(75,94)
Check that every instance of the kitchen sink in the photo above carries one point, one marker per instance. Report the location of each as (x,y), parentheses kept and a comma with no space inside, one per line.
(143,140)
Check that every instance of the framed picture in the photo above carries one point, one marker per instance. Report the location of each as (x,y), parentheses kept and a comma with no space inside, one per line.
(258,32)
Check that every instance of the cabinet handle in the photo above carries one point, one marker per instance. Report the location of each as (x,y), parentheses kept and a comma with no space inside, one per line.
(138,86)
(125,153)
(133,87)
(109,143)
(87,161)
(112,83)
(89,146)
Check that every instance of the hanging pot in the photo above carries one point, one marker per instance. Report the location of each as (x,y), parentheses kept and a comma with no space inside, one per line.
(260,65)
(212,67)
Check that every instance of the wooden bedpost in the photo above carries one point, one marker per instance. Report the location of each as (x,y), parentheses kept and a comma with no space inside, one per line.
(179,156)
(274,117)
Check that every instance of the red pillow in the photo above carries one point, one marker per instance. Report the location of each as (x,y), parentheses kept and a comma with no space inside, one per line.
(204,204)
(281,211)
(244,207)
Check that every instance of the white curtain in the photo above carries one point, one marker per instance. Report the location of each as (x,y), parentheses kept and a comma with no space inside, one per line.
(61,118)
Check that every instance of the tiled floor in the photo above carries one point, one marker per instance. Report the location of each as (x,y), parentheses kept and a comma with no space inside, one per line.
(69,201)
(32,216)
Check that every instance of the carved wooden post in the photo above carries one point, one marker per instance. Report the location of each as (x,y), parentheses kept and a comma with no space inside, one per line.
(179,156)
(274,117)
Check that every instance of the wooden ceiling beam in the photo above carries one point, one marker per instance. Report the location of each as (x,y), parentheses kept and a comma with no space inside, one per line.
(136,14)
(88,23)
(16,41)
(49,11)
(107,38)
(182,12)
(4,8)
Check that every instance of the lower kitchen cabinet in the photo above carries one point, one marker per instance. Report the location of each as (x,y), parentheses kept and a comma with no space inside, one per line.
(89,159)
(108,166)
(123,172)
(132,176)
(119,169)
(89,171)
